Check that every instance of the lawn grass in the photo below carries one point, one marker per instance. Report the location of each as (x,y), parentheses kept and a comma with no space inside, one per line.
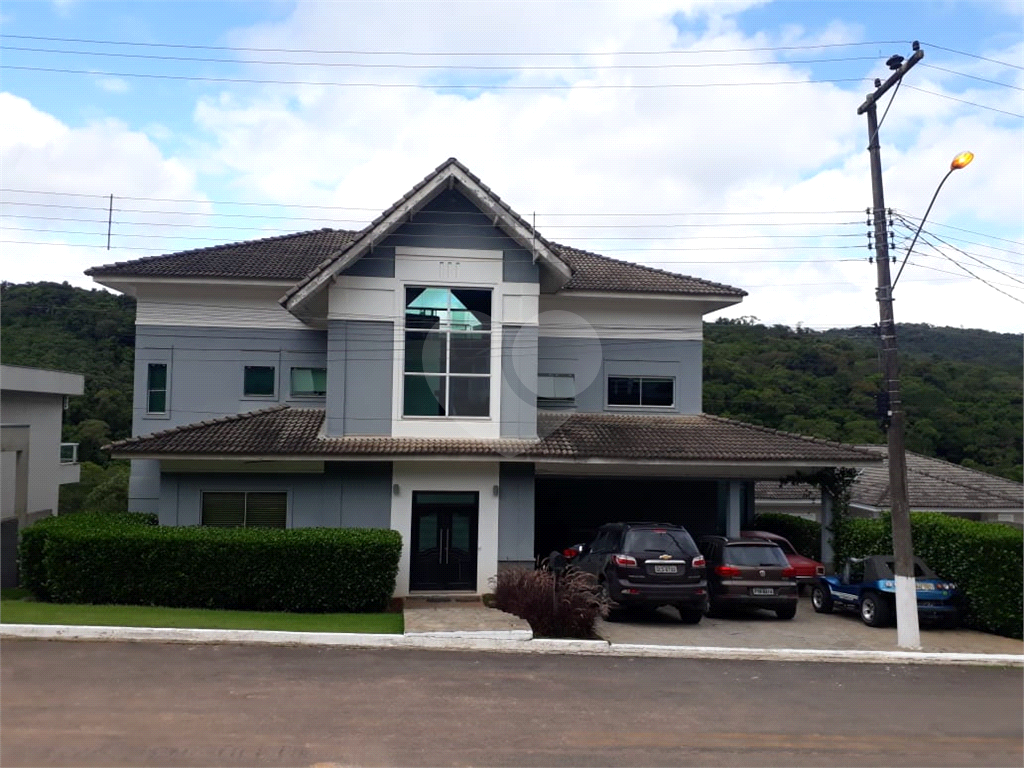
(18,611)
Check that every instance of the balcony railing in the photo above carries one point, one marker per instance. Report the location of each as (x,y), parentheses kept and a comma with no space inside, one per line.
(69,453)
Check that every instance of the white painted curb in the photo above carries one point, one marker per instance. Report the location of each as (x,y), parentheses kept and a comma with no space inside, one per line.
(511,641)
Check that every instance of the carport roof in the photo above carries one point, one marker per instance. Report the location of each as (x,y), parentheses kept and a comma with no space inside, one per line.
(284,432)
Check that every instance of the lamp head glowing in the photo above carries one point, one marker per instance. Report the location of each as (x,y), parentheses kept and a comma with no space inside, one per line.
(961,161)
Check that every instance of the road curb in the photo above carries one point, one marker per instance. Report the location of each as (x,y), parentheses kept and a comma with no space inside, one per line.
(512,641)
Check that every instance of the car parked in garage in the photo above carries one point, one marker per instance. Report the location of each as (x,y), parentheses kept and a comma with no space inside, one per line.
(748,573)
(646,565)
(868,585)
(807,570)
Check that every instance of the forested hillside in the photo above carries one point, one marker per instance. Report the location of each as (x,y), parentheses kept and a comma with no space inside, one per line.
(962,388)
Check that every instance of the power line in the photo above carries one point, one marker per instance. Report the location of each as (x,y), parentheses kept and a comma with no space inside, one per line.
(965,269)
(972,257)
(671,51)
(906,215)
(472,67)
(973,77)
(435,86)
(973,56)
(964,101)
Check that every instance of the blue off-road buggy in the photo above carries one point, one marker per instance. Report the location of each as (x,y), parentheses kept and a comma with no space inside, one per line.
(868,585)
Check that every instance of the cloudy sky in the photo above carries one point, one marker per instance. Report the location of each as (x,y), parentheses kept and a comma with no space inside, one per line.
(715,139)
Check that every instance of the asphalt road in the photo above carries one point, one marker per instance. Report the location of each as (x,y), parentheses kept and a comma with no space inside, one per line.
(142,704)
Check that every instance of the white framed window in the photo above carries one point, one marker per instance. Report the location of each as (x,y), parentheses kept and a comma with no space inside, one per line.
(245,509)
(556,390)
(641,391)
(308,382)
(447,360)
(156,388)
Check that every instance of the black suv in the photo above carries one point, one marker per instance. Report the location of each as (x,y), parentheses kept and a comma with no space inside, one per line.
(749,573)
(647,565)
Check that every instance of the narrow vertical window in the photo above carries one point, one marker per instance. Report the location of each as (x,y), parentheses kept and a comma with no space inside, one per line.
(156,388)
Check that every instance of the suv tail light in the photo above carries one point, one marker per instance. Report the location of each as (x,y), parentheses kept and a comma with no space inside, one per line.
(728,571)
(624,560)
(698,561)
(788,572)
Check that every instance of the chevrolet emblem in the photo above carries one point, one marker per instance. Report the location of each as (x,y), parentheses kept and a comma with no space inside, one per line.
(665,557)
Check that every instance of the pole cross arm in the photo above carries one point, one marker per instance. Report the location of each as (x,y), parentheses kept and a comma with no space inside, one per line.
(893,79)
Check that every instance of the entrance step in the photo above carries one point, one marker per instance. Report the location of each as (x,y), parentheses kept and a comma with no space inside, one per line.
(443,600)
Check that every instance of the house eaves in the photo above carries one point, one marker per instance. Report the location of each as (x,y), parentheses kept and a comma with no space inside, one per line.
(450,174)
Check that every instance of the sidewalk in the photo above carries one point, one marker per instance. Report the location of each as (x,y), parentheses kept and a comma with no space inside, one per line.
(471,626)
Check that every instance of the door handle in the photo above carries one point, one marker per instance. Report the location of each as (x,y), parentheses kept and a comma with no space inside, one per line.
(448,546)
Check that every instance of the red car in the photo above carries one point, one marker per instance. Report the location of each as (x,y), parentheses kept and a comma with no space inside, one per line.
(807,570)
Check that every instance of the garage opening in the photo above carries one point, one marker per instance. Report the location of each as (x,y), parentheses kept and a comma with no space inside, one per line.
(570,509)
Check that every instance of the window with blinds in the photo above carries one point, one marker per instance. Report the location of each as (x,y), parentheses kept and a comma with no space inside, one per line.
(239,509)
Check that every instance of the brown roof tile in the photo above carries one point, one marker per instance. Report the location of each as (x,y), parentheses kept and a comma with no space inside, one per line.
(286,431)
(932,484)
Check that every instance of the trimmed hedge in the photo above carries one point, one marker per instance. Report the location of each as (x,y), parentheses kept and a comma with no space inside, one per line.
(803,534)
(986,560)
(119,559)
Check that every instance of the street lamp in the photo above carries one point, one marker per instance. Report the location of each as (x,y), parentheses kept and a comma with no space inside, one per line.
(960,161)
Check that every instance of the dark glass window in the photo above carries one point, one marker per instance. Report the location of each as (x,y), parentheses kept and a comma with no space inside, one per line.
(239,509)
(156,388)
(260,381)
(754,555)
(447,352)
(646,391)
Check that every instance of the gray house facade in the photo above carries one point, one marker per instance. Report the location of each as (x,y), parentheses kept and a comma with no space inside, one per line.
(446,372)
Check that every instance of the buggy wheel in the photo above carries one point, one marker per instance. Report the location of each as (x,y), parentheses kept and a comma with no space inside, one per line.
(821,599)
(874,611)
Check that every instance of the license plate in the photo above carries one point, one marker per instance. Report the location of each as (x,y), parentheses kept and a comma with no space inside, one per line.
(665,569)
(762,591)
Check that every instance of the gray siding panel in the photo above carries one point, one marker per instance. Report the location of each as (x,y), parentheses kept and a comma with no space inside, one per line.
(515,512)
(518,381)
(592,361)
(450,220)
(360,357)
(347,495)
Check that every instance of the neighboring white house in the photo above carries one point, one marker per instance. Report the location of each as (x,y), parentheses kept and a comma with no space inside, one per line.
(933,485)
(35,463)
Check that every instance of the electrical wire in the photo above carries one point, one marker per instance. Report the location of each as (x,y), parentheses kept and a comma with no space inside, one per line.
(973,56)
(973,77)
(964,101)
(938,250)
(910,216)
(434,86)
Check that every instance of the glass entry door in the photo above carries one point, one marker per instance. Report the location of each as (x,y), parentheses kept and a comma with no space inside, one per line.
(444,534)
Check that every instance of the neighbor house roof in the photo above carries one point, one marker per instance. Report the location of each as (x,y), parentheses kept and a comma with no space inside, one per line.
(307,257)
(283,431)
(932,484)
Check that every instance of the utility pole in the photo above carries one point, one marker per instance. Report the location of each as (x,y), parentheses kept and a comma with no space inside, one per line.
(908,633)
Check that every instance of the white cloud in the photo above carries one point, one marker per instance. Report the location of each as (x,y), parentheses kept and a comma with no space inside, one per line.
(113,84)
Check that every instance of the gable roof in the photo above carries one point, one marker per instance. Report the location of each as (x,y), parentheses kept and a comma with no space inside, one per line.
(286,432)
(449,174)
(307,257)
(932,484)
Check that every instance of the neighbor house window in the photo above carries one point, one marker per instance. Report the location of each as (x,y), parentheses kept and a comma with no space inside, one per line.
(556,390)
(260,381)
(309,382)
(156,388)
(647,391)
(245,510)
(447,352)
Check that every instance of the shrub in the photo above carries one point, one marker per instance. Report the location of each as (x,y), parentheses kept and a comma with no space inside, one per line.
(91,560)
(530,596)
(804,535)
(986,560)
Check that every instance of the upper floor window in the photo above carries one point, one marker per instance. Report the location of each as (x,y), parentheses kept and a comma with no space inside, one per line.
(447,352)
(260,381)
(309,382)
(156,388)
(644,391)
(556,390)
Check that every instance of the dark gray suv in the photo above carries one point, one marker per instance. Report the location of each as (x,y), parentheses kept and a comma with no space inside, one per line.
(749,573)
(647,565)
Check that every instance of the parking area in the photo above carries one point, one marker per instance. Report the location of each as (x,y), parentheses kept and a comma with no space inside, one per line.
(761,629)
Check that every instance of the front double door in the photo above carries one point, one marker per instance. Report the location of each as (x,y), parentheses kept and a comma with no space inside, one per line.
(444,540)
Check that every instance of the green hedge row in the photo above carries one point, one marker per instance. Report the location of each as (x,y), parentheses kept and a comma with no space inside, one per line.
(803,534)
(986,560)
(89,558)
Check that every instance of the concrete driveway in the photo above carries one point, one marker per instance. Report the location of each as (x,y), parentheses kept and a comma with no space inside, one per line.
(760,629)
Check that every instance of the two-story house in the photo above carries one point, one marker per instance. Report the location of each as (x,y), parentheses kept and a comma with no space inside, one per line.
(446,372)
